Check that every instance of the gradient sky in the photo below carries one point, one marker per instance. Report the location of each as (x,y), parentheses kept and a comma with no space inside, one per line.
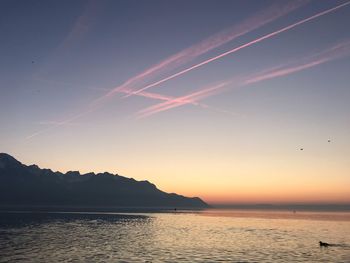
(62,106)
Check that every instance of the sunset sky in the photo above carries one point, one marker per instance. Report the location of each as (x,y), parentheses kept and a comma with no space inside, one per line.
(231,101)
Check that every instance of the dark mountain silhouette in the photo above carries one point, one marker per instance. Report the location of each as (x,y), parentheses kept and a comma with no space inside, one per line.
(22,185)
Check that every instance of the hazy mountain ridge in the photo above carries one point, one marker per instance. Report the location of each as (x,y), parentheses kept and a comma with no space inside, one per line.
(30,185)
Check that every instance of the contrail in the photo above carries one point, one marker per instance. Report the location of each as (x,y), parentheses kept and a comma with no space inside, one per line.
(337,51)
(201,94)
(241,47)
(55,123)
(78,31)
(254,22)
(194,101)
(58,124)
(162,97)
(150,71)
(156,96)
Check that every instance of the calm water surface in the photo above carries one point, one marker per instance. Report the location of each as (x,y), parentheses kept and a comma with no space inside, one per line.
(208,236)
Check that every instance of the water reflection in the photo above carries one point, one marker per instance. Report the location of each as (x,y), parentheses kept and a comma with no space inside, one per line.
(168,237)
(22,219)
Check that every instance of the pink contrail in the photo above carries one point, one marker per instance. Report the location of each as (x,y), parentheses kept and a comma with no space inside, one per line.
(335,52)
(198,95)
(254,22)
(332,53)
(148,73)
(241,47)
(260,19)
(150,95)
(162,97)
(193,101)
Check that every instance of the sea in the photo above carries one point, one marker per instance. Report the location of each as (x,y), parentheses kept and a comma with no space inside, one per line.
(175,236)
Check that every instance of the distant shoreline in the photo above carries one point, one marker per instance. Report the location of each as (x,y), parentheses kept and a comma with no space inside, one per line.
(266,208)
(287,207)
(92,209)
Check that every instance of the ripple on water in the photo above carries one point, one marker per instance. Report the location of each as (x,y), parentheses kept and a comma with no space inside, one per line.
(168,238)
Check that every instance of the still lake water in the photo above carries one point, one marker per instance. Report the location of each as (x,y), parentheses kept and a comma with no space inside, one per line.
(207,236)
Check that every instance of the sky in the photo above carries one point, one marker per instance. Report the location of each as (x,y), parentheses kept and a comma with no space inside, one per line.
(232,101)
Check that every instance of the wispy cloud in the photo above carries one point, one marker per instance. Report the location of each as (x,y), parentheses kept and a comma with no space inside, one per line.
(76,34)
(336,51)
(81,24)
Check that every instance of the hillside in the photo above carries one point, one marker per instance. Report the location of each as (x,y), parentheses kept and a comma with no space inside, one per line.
(22,185)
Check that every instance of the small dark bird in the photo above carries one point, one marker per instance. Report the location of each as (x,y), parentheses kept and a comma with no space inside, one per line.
(32,62)
(329,140)
(324,244)
(301,149)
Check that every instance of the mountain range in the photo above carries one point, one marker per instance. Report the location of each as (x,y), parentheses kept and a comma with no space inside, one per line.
(29,185)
